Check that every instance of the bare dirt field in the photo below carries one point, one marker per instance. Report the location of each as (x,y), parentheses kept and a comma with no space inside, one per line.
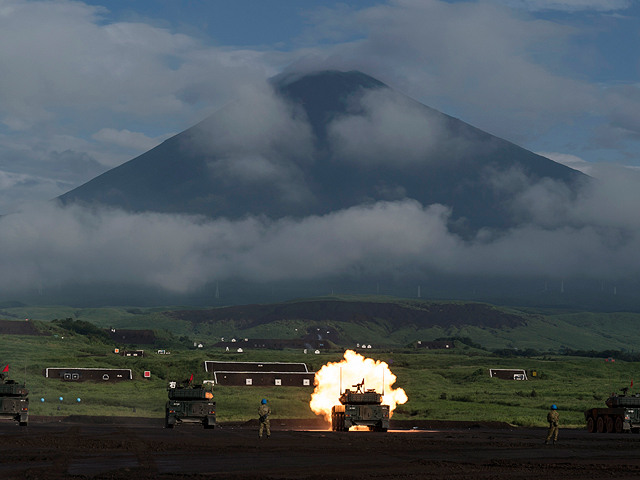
(100,448)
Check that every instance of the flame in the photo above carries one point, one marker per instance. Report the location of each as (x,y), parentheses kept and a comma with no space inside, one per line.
(353,369)
(358,428)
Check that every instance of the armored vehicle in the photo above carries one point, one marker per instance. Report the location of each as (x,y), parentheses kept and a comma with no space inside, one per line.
(190,404)
(14,403)
(360,408)
(622,415)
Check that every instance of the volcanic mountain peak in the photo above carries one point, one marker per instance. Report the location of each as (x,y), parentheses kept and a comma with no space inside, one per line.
(320,143)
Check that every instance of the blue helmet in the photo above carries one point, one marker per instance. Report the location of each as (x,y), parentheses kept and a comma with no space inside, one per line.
(554,407)
(264,400)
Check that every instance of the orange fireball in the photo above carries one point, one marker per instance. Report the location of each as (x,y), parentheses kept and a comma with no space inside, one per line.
(333,378)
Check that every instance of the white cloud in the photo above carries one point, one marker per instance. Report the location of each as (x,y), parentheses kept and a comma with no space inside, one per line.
(125,138)
(388,128)
(181,253)
(478,54)
(592,234)
(571,161)
(259,140)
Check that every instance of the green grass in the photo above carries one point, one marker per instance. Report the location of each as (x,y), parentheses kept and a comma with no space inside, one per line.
(441,385)
(545,329)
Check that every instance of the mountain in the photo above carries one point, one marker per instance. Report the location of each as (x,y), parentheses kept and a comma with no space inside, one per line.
(361,149)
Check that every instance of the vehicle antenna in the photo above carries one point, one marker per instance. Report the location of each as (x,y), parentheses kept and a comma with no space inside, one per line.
(340,380)
(383,382)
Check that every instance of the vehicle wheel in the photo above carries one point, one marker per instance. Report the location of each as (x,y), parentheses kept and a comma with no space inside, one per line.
(618,425)
(168,424)
(610,425)
(600,425)
(591,425)
(24,424)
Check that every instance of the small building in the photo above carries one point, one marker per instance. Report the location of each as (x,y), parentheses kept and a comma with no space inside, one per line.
(215,366)
(264,374)
(264,379)
(508,373)
(440,345)
(132,353)
(76,374)
(275,344)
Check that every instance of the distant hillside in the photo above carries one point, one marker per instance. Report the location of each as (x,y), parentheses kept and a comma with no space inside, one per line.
(384,322)
(397,314)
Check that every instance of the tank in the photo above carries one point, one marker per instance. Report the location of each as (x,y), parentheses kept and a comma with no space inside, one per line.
(190,404)
(622,414)
(14,403)
(360,407)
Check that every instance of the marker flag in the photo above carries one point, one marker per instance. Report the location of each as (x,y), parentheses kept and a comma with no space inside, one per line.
(6,369)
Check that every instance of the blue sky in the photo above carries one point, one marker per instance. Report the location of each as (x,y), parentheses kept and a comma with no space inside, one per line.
(89,85)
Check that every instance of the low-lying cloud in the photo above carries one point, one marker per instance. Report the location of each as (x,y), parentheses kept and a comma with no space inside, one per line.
(594,234)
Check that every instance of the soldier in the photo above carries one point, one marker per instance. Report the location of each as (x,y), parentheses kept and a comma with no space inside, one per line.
(264,411)
(553,418)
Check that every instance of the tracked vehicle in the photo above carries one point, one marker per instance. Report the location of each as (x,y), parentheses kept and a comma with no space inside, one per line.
(360,407)
(622,415)
(190,404)
(14,404)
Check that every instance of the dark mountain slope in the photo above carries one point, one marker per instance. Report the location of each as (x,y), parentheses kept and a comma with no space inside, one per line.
(425,315)
(176,175)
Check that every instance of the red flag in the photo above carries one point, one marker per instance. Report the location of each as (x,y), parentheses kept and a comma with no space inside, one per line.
(6,369)
(191,378)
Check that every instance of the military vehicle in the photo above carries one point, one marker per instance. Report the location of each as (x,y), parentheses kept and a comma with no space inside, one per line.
(622,415)
(14,403)
(190,403)
(360,408)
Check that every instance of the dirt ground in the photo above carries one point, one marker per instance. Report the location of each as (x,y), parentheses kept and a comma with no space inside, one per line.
(100,448)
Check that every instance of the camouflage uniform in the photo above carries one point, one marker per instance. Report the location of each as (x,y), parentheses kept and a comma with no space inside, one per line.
(553,418)
(264,411)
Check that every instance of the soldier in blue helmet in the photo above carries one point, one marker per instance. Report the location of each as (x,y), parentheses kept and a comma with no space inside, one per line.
(264,411)
(554,419)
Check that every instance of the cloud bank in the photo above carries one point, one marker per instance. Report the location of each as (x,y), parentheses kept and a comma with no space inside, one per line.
(595,234)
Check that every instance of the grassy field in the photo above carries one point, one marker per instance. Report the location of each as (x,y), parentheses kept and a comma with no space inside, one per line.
(442,385)
(545,329)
